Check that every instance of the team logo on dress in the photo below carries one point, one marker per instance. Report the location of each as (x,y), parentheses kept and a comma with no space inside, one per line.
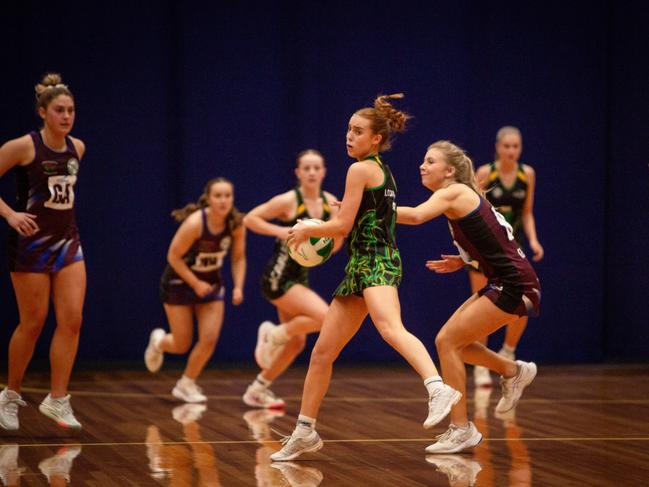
(496,192)
(73,166)
(49,167)
(519,194)
(225,243)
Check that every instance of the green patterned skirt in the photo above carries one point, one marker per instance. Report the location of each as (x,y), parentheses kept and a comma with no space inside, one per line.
(382,268)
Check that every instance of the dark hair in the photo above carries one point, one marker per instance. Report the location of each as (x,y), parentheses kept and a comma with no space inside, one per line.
(384,119)
(306,152)
(49,88)
(234,218)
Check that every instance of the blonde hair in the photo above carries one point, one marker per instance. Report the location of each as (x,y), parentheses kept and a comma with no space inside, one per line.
(456,157)
(234,218)
(506,130)
(49,88)
(385,120)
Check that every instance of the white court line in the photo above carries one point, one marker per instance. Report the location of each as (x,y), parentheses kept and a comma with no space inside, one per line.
(351,440)
(147,395)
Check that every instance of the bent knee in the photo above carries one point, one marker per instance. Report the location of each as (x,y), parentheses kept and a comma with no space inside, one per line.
(322,358)
(31,329)
(208,343)
(446,340)
(391,332)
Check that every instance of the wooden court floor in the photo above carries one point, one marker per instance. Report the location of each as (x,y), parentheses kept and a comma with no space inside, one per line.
(575,426)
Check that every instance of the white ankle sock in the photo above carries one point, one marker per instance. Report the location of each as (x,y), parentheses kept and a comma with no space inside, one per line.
(304,425)
(508,349)
(261,382)
(186,381)
(433,383)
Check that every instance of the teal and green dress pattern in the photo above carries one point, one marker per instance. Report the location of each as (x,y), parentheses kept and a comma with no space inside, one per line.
(374,258)
(282,272)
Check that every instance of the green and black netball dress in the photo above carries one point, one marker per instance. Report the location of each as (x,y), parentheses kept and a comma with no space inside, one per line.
(374,259)
(282,272)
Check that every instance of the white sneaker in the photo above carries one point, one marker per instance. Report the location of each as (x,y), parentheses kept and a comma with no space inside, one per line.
(481,376)
(188,413)
(9,471)
(60,411)
(456,439)
(262,337)
(153,356)
(295,445)
(258,421)
(507,354)
(440,403)
(61,463)
(188,392)
(9,402)
(262,397)
(299,476)
(458,469)
(512,388)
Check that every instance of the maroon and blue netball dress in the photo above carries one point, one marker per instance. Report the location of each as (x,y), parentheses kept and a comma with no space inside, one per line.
(204,259)
(485,236)
(46,189)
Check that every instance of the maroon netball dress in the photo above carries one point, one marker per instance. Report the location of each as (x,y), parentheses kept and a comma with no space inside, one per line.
(204,259)
(46,189)
(485,236)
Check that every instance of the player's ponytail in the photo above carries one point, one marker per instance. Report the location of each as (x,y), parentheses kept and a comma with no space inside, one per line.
(385,119)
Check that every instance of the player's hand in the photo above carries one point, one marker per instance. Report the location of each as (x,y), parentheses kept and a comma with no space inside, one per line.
(202,289)
(283,234)
(537,249)
(297,235)
(23,223)
(448,263)
(237,296)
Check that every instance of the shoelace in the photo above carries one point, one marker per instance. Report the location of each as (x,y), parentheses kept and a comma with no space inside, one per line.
(63,406)
(11,406)
(446,433)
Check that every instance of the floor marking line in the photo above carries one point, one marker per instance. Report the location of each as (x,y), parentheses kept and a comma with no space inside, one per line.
(351,440)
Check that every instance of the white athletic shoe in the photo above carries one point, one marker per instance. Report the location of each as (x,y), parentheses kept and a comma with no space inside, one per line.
(458,469)
(262,337)
(60,411)
(298,475)
(440,403)
(512,388)
(9,402)
(295,445)
(507,354)
(61,463)
(153,356)
(9,471)
(258,421)
(262,397)
(188,413)
(456,439)
(188,392)
(481,376)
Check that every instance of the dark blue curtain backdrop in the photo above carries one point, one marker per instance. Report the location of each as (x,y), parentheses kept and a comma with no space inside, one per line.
(169,95)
